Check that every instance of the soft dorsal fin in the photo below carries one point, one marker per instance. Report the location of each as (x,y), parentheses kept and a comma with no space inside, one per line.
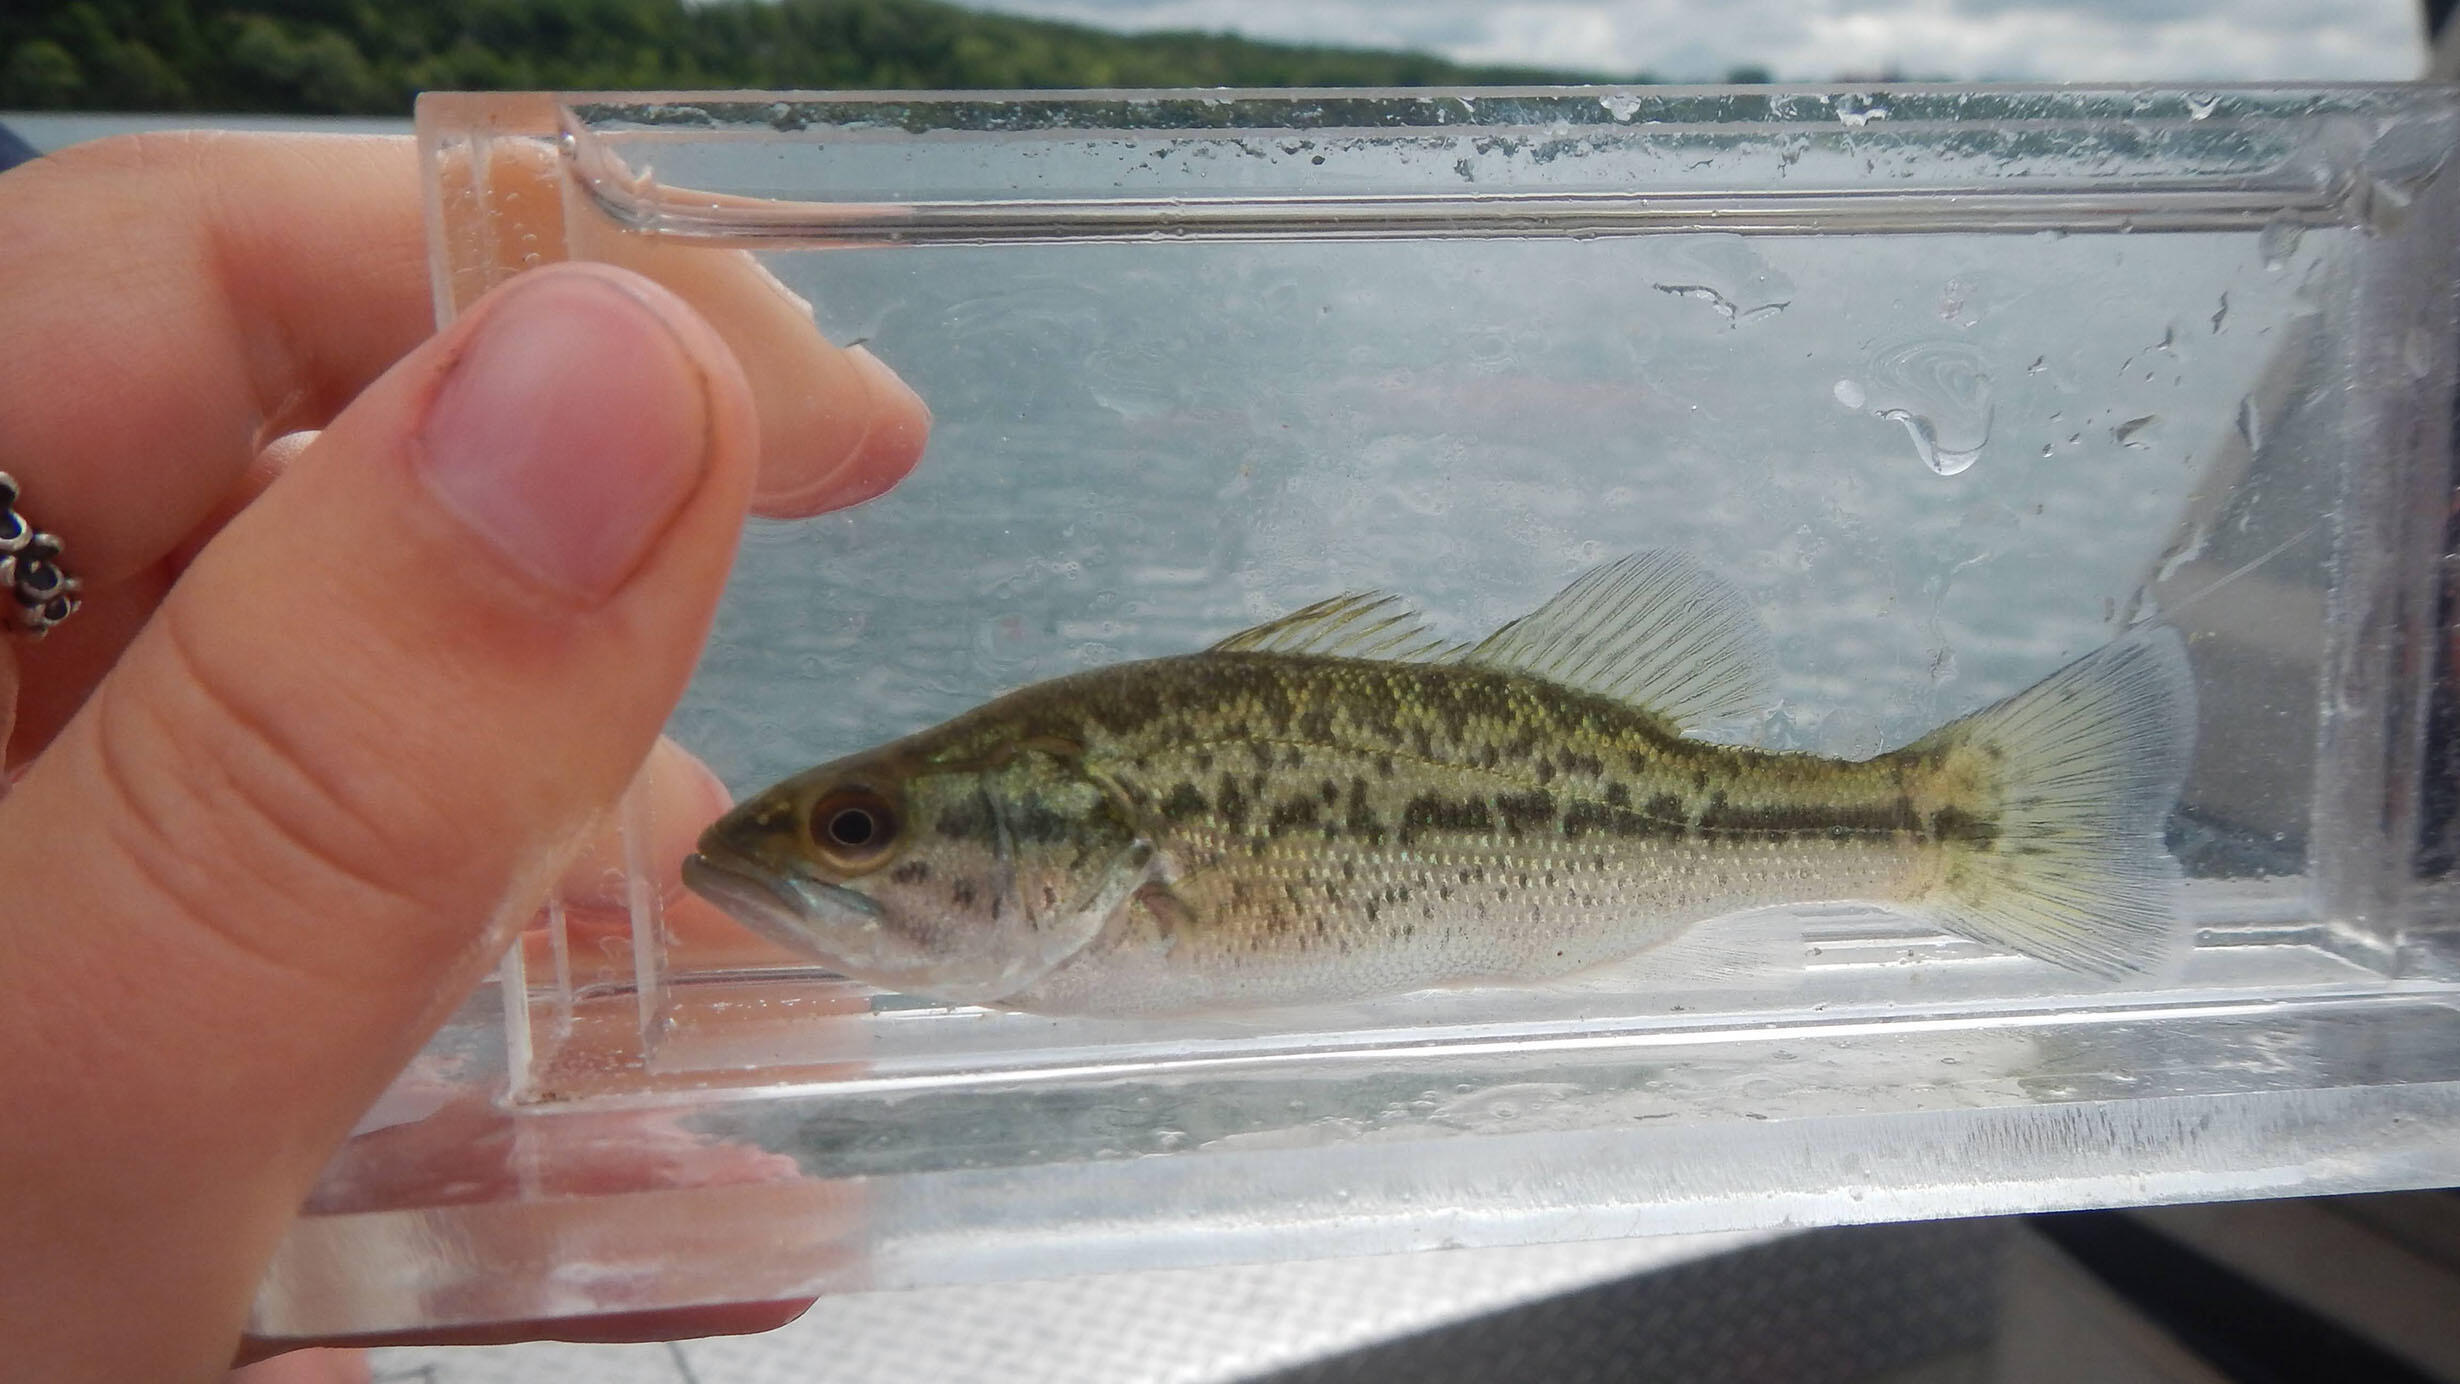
(1362,624)
(1654,630)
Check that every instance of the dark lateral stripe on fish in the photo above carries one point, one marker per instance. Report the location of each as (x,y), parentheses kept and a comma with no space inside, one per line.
(1661,820)
(976,819)
(1465,717)
(1231,803)
(1777,822)
(1525,812)
(1185,803)
(972,819)
(1290,812)
(1362,820)
(1433,810)
(1664,817)
(1799,820)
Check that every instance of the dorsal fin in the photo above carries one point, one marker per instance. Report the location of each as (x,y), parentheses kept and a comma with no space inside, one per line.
(1654,630)
(1361,624)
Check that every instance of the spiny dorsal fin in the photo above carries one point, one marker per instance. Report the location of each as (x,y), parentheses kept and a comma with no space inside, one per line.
(1362,624)
(1654,630)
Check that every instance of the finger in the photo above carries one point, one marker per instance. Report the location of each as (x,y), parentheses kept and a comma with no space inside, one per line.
(197,296)
(306,1367)
(837,426)
(662,1324)
(76,653)
(679,796)
(194,296)
(258,283)
(888,430)
(339,765)
(840,426)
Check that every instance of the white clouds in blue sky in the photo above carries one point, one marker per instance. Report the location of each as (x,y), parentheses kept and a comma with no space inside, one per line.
(1813,40)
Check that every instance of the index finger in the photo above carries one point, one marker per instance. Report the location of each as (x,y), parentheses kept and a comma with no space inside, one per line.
(183,299)
(179,301)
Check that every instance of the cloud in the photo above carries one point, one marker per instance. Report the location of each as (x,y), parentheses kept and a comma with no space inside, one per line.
(1814,40)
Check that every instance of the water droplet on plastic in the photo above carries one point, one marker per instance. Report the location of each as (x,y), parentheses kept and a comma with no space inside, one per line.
(1728,274)
(2045,450)
(1622,105)
(1925,435)
(2251,425)
(1848,393)
(2221,313)
(2278,242)
(2201,104)
(2131,433)
(1936,387)
(2040,363)
(2417,352)
(1854,111)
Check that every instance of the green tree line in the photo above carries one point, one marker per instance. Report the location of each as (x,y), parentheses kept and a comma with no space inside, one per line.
(355,57)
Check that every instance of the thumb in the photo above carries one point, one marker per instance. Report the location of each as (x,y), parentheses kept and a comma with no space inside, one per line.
(294,824)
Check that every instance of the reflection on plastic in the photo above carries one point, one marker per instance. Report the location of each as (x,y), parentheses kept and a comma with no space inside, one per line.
(1197,359)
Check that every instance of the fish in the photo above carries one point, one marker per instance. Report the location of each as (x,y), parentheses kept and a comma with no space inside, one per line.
(1338,806)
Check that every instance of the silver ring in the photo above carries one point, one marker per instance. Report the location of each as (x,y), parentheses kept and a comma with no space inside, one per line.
(35,591)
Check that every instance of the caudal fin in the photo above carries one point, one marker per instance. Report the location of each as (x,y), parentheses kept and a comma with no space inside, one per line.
(2065,787)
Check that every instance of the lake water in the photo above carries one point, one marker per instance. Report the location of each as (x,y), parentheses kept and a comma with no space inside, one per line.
(1940,466)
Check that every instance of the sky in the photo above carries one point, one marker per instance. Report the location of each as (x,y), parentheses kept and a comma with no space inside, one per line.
(1819,40)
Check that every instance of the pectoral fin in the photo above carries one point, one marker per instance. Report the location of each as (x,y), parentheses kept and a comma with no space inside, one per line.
(1170,915)
(1128,871)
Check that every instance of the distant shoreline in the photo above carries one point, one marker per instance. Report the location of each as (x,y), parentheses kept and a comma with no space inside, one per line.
(373,60)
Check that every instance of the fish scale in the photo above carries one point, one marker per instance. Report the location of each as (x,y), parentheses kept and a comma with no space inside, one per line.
(1465,826)
(1337,804)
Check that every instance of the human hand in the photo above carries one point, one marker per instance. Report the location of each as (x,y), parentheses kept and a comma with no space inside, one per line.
(337,710)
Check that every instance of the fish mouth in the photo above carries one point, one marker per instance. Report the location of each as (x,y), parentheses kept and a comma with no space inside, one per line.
(779,907)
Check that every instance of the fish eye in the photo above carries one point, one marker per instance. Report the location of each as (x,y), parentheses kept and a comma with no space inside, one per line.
(853,827)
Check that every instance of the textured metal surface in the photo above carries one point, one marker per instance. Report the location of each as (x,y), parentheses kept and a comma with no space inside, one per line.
(1184,1325)
(2386,1269)
(1828,1307)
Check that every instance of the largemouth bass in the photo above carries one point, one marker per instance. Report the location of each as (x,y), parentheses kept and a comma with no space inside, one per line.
(1337,805)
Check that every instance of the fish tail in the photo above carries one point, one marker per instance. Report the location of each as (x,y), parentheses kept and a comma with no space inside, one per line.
(2048,811)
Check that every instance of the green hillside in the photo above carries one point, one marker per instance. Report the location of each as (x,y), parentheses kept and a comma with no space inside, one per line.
(353,57)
